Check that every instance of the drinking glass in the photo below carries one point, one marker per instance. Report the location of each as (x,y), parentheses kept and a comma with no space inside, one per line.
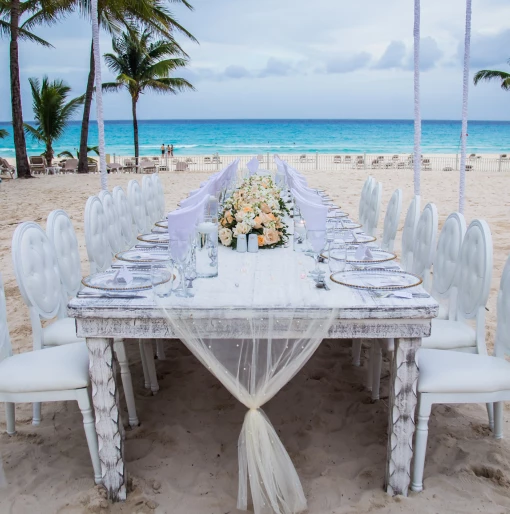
(180,245)
(158,271)
(299,234)
(317,240)
(337,256)
(206,251)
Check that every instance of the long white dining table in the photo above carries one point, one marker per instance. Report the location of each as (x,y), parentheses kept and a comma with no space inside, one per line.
(268,281)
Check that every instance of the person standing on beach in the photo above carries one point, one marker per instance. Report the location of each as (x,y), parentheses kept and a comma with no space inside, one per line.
(171,150)
(163,150)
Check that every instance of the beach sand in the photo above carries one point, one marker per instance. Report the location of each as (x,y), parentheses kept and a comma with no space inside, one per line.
(183,457)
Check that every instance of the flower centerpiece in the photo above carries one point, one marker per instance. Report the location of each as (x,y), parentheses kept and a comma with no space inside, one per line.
(256,207)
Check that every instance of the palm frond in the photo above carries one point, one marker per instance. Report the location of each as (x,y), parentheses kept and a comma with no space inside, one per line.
(66,153)
(491,75)
(3,133)
(33,132)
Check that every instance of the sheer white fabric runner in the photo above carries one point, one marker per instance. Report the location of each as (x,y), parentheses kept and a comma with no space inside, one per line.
(274,323)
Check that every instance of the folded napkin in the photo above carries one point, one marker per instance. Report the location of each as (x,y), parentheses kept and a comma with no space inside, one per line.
(123,276)
(363,253)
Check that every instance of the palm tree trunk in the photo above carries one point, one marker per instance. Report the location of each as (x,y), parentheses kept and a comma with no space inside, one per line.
(135,127)
(84,138)
(20,145)
(48,154)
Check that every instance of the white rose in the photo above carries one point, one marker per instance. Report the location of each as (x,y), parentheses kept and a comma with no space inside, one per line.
(225,235)
(241,228)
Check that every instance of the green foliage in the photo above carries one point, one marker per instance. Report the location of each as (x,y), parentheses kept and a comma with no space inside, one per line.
(489,75)
(3,133)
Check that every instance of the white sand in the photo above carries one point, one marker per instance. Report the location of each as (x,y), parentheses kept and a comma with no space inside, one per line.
(183,458)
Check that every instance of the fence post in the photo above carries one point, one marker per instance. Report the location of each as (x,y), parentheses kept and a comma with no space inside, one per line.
(316,160)
(268,160)
(217,161)
(499,164)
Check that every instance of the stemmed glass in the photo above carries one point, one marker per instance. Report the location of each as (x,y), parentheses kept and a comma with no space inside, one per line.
(317,240)
(180,246)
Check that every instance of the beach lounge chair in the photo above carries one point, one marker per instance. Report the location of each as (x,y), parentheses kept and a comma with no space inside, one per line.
(469,167)
(375,164)
(147,166)
(401,165)
(207,160)
(181,166)
(380,158)
(114,167)
(6,168)
(37,164)
(260,158)
(347,158)
(337,159)
(447,168)
(395,158)
(70,166)
(426,164)
(472,156)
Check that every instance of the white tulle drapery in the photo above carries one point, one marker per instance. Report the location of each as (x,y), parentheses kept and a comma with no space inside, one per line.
(417,110)
(99,95)
(465,100)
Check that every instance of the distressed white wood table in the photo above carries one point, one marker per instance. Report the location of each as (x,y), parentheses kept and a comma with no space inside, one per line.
(270,280)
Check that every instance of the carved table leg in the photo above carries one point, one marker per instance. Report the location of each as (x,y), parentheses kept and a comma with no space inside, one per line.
(402,404)
(108,423)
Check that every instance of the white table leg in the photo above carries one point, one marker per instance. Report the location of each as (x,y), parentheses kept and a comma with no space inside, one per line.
(402,404)
(109,427)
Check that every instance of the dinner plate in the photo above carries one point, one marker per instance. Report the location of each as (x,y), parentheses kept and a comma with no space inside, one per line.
(155,238)
(378,256)
(139,255)
(162,224)
(376,279)
(337,214)
(352,238)
(141,280)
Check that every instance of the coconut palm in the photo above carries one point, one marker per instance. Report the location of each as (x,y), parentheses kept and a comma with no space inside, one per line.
(17,19)
(113,15)
(144,64)
(52,112)
(488,75)
(3,133)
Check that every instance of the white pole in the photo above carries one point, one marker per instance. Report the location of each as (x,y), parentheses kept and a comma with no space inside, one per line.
(417,113)
(99,95)
(465,99)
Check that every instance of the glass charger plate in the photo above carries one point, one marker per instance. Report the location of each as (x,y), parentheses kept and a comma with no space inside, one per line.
(351,225)
(337,214)
(139,255)
(159,230)
(348,236)
(155,238)
(162,224)
(378,256)
(380,280)
(141,280)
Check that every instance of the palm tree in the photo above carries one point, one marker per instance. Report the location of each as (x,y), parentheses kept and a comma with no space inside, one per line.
(488,75)
(11,14)
(144,65)
(52,112)
(3,133)
(113,14)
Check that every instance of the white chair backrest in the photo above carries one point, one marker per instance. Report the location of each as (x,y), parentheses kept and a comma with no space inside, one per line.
(5,340)
(365,192)
(125,217)
(474,272)
(150,201)
(137,207)
(502,340)
(160,196)
(373,209)
(412,216)
(36,269)
(113,221)
(96,236)
(447,254)
(60,232)
(391,221)
(425,240)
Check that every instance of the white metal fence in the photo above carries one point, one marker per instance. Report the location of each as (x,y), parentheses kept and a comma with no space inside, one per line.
(318,161)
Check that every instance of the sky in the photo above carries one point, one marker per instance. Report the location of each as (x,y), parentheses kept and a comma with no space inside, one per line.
(336,59)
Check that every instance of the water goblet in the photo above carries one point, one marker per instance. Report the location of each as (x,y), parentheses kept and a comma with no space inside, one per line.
(337,256)
(317,239)
(180,245)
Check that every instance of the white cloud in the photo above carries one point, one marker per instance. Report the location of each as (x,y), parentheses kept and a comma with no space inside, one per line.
(393,57)
(346,64)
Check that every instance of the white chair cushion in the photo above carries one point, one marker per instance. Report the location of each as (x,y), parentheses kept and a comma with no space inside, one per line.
(448,335)
(458,372)
(53,369)
(62,331)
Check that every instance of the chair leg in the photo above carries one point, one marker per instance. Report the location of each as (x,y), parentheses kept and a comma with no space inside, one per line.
(356,352)
(10,418)
(90,432)
(490,413)
(151,365)
(127,384)
(146,380)
(498,420)
(36,416)
(376,361)
(160,350)
(422,432)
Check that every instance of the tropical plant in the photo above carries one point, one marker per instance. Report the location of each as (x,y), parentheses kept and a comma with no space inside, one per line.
(17,19)
(68,154)
(52,112)
(113,15)
(143,64)
(488,75)
(3,133)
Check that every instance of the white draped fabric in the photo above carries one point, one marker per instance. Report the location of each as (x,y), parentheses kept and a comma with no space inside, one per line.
(99,95)
(465,99)
(253,166)
(417,111)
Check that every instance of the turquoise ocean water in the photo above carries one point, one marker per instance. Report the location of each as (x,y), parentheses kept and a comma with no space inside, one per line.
(284,136)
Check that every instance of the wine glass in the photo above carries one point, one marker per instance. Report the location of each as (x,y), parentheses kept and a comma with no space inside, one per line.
(317,240)
(180,246)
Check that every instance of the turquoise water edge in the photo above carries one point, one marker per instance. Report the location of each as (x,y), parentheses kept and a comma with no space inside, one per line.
(206,137)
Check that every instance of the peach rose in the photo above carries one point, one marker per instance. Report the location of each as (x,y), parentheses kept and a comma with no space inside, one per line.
(261,240)
(225,235)
(257,223)
(228,216)
(265,208)
(271,236)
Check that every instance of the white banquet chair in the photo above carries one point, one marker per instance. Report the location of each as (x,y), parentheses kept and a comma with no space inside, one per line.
(424,247)
(160,195)
(57,374)
(134,194)
(445,263)
(373,209)
(114,229)
(412,217)
(366,191)
(391,221)
(128,237)
(457,377)
(150,202)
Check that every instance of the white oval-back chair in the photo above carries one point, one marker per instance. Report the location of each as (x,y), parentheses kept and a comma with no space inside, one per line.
(424,247)
(150,201)
(412,217)
(458,377)
(96,236)
(135,200)
(56,374)
(125,218)
(445,262)
(391,221)
(373,209)
(114,228)
(363,201)
(160,195)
